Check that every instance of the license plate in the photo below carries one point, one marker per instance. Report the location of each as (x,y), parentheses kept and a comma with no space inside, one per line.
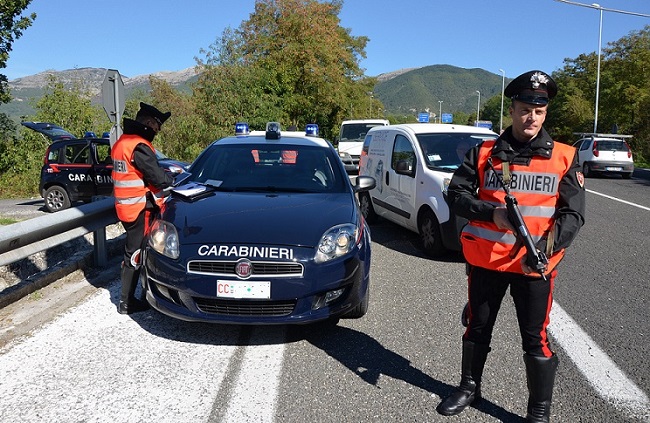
(613,169)
(244,289)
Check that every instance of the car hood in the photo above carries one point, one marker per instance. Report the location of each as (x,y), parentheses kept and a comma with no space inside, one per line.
(50,130)
(253,218)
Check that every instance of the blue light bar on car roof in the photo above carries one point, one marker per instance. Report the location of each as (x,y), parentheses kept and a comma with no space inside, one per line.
(241,128)
(311,130)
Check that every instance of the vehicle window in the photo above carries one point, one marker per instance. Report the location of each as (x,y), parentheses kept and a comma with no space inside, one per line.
(585,145)
(447,150)
(403,151)
(77,154)
(356,131)
(269,168)
(103,153)
(610,145)
(54,155)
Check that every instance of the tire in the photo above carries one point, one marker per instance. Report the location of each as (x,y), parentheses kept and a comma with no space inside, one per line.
(367,210)
(627,175)
(586,170)
(361,309)
(56,198)
(430,237)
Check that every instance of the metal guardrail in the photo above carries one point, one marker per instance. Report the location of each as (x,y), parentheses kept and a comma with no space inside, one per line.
(22,239)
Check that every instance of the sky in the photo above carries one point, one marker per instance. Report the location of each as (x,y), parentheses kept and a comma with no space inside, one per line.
(505,37)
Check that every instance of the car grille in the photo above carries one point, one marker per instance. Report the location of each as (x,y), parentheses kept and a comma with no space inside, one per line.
(227,268)
(245,308)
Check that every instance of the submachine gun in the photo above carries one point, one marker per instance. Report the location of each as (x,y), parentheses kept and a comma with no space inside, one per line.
(534,259)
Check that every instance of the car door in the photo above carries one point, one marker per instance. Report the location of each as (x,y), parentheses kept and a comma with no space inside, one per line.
(399,183)
(78,166)
(102,167)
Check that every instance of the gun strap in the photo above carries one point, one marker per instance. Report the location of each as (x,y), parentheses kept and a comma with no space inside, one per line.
(507,176)
(550,241)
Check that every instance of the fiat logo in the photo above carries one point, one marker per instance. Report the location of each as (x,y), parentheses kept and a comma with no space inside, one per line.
(244,268)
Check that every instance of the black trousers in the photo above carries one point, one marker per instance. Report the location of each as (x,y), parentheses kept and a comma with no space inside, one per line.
(532,297)
(135,232)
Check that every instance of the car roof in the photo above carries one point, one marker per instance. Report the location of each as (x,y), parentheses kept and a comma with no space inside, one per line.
(286,138)
(428,128)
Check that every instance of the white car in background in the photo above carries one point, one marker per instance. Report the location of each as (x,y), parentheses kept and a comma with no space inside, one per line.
(605,154)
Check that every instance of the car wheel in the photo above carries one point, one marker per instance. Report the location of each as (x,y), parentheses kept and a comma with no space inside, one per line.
(586,170)
(627,175)
(361,309)
(430,237)
(56,198)
(367,210)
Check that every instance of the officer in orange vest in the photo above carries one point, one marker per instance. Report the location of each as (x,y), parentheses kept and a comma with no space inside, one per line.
(138,182)
(545,178)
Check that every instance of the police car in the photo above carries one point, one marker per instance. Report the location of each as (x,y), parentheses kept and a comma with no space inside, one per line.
(264,229)
(76,169)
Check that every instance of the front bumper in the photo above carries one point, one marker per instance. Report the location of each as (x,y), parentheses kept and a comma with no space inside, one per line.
(173,291)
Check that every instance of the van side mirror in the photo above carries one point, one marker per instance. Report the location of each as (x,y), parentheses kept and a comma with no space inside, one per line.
(405,167)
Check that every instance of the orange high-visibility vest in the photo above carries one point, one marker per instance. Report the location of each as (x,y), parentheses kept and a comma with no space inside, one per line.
(129,188)
(536,188)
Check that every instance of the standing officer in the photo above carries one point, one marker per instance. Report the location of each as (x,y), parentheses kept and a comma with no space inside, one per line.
(545,178)
(138,181)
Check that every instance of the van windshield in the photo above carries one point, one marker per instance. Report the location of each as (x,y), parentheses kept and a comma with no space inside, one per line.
(351,132)
(447,150)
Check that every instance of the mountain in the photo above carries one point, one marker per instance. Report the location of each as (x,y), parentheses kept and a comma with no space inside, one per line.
(404,91)
(421,89)
(33,87)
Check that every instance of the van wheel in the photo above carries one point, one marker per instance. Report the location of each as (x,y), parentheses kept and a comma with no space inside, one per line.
(586,170)
(56,198)
(367,210)
(430,236)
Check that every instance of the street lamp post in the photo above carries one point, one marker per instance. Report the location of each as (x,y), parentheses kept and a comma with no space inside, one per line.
(440,119)
(600,36)
(503,84)
(478,106)
(600,39)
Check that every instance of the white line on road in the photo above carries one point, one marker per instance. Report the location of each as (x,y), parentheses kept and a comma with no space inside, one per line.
(603,374)
(619,200)
(256,389)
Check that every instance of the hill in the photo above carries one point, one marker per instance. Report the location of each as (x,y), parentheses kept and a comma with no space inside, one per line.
(404,91)
(28,88)
(420,89)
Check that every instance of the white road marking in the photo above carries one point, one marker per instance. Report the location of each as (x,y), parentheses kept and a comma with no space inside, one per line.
(94,365)
(255,394)
(602,373)
(619,200)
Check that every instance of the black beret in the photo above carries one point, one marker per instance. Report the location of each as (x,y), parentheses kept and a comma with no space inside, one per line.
(534,87)
(148,110)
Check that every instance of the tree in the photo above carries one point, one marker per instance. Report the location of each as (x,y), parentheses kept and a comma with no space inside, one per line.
(291,61)
(11,28)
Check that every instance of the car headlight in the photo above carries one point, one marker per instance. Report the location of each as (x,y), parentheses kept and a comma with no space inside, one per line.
(345,155)
(337,242)
(163,238)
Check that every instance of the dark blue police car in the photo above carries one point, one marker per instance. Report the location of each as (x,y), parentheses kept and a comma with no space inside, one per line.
(264,229)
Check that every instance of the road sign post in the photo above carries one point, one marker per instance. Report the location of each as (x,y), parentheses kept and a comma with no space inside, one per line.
(113,101)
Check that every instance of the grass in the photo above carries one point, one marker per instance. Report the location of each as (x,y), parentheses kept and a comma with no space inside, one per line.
(7,221)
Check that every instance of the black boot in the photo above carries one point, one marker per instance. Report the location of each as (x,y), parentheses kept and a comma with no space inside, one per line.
(540,373)
(469,391)
(128,303)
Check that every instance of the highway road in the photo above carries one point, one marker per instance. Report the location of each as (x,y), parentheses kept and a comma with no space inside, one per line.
(90,364)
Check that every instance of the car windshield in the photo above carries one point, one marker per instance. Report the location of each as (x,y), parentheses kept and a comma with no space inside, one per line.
(611,145)
(268,168)
(447,150)
(356,131)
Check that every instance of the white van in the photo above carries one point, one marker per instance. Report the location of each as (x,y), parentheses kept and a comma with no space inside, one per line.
(351,136)
(413,165)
